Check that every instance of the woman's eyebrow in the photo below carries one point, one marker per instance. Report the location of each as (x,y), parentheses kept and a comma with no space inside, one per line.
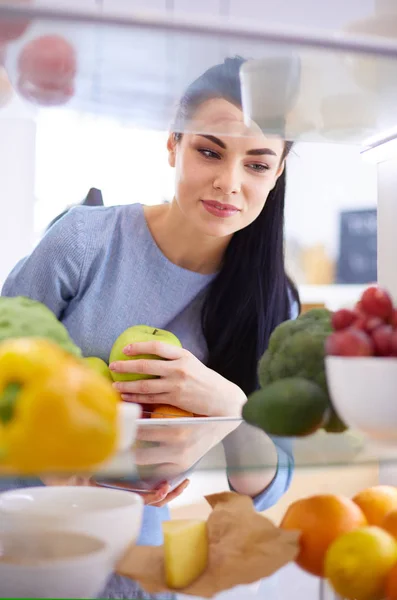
(255,152)
(215,140)
(260,151)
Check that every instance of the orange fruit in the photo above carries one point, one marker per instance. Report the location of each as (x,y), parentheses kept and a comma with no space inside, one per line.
(376,502)
(165,411)
(391,584)
(389,523)
(320,519)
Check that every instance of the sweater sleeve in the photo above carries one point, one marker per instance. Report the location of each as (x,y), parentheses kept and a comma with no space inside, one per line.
(285,458)
(282,479)
(51,273)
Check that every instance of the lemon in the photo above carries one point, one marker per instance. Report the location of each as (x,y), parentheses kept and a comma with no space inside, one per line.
(358,562)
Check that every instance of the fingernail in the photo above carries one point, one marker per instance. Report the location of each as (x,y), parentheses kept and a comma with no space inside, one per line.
(112,366)
(126,349)
(116,386)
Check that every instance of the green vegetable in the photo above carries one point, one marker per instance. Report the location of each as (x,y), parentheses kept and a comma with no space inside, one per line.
(296,350)
(300,355)
(23,317)
(288,407)
(318,315)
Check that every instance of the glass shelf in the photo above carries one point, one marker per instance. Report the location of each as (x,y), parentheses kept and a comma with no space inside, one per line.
(314,87)
(170,449)
(202,445)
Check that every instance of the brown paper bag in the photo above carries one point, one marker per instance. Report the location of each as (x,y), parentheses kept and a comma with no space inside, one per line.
(244,547)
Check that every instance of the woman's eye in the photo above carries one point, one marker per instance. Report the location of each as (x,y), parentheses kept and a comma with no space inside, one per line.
(258,167)
(208,153)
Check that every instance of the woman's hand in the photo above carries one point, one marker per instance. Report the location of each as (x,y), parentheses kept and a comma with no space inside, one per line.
(159,496)
(183,381)
(165,452)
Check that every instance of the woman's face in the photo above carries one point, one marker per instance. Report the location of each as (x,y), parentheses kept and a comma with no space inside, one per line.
(223,181)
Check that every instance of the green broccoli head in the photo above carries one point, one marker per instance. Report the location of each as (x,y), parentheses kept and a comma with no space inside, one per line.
(321,316)
(301,354)
(317,319)
(23,317)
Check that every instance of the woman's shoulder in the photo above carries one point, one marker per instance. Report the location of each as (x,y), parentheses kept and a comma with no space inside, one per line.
(97,224)
(108,216)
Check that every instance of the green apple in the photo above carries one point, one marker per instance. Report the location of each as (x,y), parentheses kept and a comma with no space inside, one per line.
(132,335)
(99,365)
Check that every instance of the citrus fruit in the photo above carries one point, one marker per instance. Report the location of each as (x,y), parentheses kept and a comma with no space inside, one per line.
(165,411)
(389,523)
(320,519)
(357,564)
(391,584)
(376,502)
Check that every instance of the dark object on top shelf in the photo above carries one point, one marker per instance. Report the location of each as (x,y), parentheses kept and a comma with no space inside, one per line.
(357,262)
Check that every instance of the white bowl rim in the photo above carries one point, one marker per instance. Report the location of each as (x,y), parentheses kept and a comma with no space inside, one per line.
(129,499)
(54,562)
(389,360)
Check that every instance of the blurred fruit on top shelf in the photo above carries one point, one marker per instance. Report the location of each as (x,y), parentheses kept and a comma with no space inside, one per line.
(48,61)
(47,68)
(44,96)
(12,28)
(6,89)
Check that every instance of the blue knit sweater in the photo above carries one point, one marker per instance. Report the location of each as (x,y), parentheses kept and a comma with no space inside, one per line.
(100,271)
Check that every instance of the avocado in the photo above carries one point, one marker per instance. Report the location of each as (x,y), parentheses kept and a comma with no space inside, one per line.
(288,407)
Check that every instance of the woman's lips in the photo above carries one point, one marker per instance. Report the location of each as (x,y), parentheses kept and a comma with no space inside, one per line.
(218,209)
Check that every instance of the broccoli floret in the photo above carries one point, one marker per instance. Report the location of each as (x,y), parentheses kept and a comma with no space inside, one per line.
(315,315)
(23,317)
(317,319)
(300,355)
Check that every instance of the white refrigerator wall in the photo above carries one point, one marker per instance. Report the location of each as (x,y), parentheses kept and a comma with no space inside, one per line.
(17,183)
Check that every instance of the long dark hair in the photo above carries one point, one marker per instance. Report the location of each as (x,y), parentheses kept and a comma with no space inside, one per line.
(252,294)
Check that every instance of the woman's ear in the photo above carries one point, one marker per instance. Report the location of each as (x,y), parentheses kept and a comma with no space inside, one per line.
(171,147)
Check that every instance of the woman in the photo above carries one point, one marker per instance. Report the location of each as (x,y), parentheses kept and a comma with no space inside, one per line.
(208,266)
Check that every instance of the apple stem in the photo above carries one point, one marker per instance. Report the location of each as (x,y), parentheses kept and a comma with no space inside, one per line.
(155,331)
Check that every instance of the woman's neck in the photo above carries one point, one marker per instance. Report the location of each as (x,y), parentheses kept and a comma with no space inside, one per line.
(181,243)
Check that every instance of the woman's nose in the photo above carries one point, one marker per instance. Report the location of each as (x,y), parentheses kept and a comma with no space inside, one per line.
(228,180)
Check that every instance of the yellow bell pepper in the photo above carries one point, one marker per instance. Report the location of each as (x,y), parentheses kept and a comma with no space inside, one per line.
(56,413)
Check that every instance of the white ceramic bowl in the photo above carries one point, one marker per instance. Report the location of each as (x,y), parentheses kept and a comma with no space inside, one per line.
(113,516)
(128,414)
(53,565)
(364,393)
